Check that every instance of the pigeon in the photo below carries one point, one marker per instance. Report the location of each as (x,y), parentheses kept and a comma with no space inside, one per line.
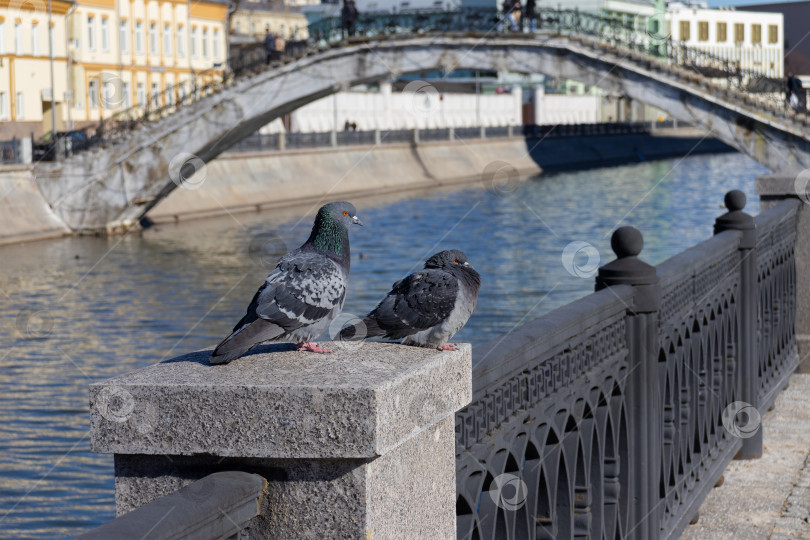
(426,308)
(303,294)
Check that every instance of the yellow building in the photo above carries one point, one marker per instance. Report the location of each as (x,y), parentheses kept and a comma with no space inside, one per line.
(109,55)
(254,19)
(125,53)
(25,75)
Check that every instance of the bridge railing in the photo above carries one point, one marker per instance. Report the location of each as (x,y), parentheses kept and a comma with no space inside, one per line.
(613,416)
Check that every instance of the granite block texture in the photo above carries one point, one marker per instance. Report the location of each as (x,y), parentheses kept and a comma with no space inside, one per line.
(356,444)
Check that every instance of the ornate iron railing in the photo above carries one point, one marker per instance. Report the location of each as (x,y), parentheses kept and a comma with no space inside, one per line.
(614,416)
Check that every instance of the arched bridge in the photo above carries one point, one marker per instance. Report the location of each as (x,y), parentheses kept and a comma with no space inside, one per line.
(122,181)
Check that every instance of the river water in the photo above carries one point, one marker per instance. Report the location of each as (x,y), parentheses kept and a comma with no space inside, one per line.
(80,310)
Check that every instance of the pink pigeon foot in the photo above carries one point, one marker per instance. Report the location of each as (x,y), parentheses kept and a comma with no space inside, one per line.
(311,346)
(447,347)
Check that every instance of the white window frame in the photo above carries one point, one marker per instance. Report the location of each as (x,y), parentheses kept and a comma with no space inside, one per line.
(155,96)
(194,44)
(181,42)
(125,90)
(141,91)
(153,39)
(216,44)
(20,105)
(92,94)
(123,36)
(91,32)
(3,106)
(2,37)
(35,39)
(205,44)
(138,37)
(18,39)
(167,40)
(105,35)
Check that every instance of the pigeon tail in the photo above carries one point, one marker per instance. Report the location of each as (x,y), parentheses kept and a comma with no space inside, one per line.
(243,340)
(368,328)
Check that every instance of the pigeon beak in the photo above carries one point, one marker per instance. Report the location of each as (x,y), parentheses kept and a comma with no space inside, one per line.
(466,264)
(356,221)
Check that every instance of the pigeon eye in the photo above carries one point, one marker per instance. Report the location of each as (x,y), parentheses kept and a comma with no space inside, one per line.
(455,261)
(345,213)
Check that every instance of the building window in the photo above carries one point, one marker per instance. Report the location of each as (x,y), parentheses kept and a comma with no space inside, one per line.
(141,95)
(155,95)
(216,43)
(92,94)
(139,37)
(721,32)
(2,37)
(126,101)
(773,33)
(205,42)
(51,38)
(35,39)
(18,49)
(153,43)
(91,32)
(3,106)
(122,36)
(756,33)
(238,29)
(194,42)
(181,42)
(703,31)
(167,40)
(739,32)
(105,34)
(20,106)
(108,94)
(252,28)
(684,27)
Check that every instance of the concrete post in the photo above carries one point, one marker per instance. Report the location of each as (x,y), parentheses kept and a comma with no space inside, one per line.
(416,135)
(282,140)
(377,137)
(483,133)
(359,443)
(644,415)
(451,133)
(748,382)
(773,188)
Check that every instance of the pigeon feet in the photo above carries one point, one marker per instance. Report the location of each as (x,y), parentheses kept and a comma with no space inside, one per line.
(311,346)
(447,347)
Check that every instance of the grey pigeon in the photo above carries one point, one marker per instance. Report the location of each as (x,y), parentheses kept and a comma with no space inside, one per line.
(303,294)
(426,308)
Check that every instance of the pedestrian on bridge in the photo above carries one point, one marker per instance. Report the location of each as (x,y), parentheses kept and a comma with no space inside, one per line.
(348,18)
(793,90)
(269,45)
(530,15)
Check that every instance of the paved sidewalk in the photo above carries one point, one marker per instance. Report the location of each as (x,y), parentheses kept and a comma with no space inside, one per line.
(766,498)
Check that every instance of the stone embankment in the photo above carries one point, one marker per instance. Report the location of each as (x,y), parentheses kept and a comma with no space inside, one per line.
(237,182)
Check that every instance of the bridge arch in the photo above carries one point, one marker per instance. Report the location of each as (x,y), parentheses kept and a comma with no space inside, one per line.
(125,180)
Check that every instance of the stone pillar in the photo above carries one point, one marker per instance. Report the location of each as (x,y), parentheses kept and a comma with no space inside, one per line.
(643,397)
(773,188)
(359,443)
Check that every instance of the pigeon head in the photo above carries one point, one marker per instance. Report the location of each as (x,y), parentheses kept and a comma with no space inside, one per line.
(330,233)
(454,261)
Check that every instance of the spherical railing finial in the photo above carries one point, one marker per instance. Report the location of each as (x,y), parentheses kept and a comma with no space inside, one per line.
(735,200)
(627,242)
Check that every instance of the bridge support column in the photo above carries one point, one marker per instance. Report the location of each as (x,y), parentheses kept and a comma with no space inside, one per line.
(282,140)
(644,401)
(773,188)
(359,443)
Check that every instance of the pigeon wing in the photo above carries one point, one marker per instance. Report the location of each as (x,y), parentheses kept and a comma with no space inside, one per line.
(422,300)
(304,288)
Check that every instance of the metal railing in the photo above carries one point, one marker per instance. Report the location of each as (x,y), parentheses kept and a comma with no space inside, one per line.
(289,141)
(613,416)
(611,36)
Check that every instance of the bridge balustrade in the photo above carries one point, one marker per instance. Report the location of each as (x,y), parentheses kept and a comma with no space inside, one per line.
(613,416)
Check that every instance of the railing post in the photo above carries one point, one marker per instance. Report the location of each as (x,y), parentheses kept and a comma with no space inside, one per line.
(643,398)
(483,133)
(360,443)
(377,137)
(416,135)
(748,374)
(282,140)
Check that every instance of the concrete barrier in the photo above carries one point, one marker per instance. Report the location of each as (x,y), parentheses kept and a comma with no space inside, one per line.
(24,213)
